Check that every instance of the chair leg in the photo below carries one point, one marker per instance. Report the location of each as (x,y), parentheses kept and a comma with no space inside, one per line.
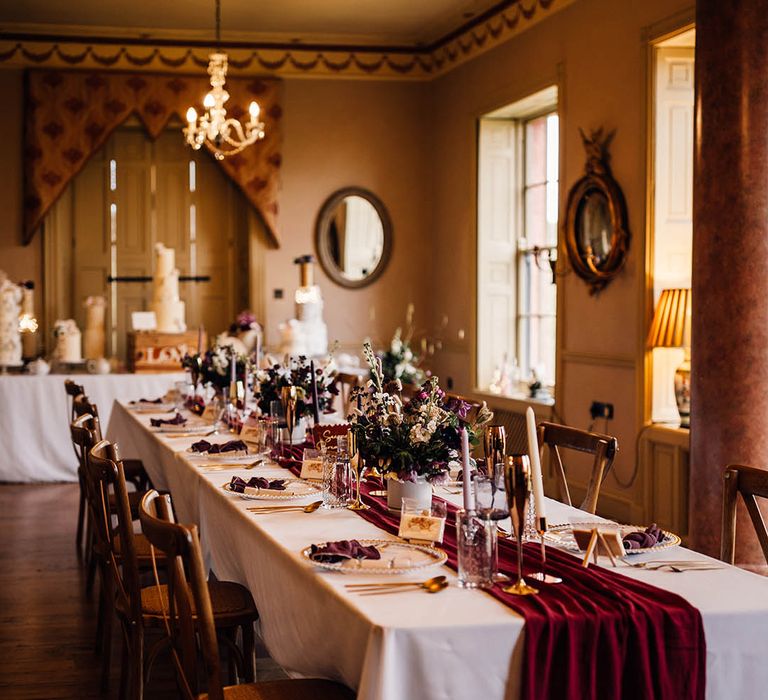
(80,519)
(125,660)
(137,665)
(249,653)
(106,634)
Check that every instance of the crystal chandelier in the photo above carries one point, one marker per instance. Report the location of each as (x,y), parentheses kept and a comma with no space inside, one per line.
(226,136)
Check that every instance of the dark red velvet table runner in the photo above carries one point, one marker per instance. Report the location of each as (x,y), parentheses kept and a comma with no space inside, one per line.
(598,634)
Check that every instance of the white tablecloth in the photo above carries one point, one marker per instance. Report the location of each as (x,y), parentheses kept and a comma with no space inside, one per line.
(34,419)
(408,646)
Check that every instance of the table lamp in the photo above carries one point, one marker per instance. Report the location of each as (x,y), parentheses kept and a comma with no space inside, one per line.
(671,328)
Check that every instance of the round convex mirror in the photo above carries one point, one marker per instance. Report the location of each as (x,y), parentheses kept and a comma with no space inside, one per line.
(594,221)
(353,237)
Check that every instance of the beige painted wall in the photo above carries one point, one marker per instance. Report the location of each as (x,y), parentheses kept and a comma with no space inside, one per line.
(596,51)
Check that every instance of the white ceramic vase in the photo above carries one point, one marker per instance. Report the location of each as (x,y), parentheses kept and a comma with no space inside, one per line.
(397,490)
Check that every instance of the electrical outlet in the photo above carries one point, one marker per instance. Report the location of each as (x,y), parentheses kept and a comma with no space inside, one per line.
(600,409)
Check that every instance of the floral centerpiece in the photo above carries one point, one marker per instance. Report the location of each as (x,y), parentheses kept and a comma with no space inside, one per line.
(399,362)
(297,371)
(412,440)
(214,366)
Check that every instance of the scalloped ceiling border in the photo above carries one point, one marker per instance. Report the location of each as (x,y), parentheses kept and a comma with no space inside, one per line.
(287,60)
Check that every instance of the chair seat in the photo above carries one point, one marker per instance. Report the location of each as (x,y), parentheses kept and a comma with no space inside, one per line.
(228,599)
(313,688)
(141,547)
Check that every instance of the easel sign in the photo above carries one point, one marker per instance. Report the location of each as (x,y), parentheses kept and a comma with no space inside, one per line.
(599,539)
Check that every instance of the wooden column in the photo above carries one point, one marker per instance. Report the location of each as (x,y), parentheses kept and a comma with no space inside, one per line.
(729,413)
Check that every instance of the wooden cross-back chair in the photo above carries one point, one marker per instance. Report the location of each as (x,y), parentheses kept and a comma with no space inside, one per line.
(74,390)
(140,608)
(188,592)
(345,383)
(752,484)
(602,447)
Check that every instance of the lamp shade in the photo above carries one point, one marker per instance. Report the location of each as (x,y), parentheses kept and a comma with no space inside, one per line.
(671,326)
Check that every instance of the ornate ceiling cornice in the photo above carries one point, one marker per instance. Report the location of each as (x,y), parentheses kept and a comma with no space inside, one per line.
(499,24)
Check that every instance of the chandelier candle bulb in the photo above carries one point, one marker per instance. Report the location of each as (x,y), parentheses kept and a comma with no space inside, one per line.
(536,477)
(469,501)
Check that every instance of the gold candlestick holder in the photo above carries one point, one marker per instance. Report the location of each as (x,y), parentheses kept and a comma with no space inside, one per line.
(542,575)
(288,398)
(517,479)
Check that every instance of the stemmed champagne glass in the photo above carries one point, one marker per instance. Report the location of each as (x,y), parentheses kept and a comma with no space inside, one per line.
(495,442)
(288,399)
(517,479)
(356,464)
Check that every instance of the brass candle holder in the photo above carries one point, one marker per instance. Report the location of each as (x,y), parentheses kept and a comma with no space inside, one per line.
(517,479)
(356,464)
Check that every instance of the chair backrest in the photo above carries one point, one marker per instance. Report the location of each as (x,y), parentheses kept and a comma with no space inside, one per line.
(105,475)
(603,447)
(752,484)
(85,432)
(81,405)
(345,383)
(187,586)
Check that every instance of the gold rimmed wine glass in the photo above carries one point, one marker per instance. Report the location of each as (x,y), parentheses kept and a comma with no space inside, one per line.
(495,442)
(288,399)
(356,464)
(517,480)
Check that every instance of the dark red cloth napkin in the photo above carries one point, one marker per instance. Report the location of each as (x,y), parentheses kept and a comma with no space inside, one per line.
(598,635)
(238,484)
(333,552)
(178,419)
(219,448)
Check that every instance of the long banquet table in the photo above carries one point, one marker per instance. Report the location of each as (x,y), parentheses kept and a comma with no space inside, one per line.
(412,645)
(34,418)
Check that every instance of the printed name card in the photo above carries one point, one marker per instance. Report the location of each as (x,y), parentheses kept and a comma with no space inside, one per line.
(209,414)
(312,467)
(251,431)
(421,527)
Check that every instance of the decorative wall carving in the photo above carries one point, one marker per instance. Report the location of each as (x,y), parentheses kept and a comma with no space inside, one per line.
(480,34)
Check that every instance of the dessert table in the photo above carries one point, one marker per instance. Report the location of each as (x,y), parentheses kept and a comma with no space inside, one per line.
(34,418)
(455,644)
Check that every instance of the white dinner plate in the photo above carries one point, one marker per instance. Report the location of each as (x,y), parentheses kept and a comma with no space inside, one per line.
(562,536)
(396,558)
(295,489)
(145,407)
(237,456)
(188,427)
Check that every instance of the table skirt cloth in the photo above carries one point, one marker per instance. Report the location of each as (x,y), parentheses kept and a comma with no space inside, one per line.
(34,419)
(457,644)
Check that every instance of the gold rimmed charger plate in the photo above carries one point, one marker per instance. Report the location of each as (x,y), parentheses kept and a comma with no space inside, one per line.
(397,557)
(561,535)
(301,489)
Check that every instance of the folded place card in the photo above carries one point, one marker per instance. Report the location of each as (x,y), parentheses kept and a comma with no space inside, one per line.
(608,539)
(312,468)
(250,430)
(210,413)
(418,527)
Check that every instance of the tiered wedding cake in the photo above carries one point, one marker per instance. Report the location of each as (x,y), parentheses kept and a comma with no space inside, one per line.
(311,336)
(168,308)
(10,308)
(68,341)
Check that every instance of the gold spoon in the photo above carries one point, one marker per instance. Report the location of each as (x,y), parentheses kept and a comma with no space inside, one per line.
(430,586)
(309,508)
(392,584)
(213,466)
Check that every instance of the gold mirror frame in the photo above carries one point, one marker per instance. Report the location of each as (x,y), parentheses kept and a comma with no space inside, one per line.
(322,245)
(595,272)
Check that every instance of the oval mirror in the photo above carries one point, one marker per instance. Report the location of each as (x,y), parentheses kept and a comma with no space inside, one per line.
(353,237)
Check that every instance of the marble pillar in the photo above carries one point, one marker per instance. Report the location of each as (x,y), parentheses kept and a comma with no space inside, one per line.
(729,403)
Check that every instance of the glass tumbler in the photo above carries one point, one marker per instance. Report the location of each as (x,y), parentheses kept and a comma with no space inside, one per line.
(476,549)
(337,480)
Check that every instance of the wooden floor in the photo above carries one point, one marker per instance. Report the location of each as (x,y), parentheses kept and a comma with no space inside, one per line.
(47,624)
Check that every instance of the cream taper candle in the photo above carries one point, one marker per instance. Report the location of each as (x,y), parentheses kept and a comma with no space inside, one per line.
(469,501)
(533,453)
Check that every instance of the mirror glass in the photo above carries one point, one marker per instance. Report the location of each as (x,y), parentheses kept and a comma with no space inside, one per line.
(353,237)
(594,225)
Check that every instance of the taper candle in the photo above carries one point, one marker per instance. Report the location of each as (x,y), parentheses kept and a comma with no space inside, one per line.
(315,399)
(469,501)
(533,453)
(232,367)
(200,339)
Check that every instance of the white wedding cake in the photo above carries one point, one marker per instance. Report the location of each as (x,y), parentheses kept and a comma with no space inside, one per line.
(309,312)
(68,341)
(168,308)
(95,334)
(10,309)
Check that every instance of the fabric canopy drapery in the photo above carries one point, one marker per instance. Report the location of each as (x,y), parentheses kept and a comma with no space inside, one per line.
(70,115)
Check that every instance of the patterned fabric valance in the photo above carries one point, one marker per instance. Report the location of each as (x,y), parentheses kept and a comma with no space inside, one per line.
(70,115)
